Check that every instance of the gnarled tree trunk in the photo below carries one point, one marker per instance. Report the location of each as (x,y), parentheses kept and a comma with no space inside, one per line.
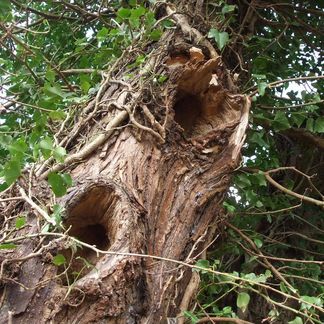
(150,180)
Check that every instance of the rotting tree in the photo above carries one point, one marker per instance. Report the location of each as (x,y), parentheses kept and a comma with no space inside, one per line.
(150,154)
(155,187)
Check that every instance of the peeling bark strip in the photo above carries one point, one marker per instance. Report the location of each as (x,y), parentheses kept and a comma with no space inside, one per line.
(141,195)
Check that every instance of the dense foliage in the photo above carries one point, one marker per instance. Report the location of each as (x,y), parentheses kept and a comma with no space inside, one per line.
(268,262)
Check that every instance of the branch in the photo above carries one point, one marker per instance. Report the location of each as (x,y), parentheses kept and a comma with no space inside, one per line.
(288,191)
(41,211)
(222,319)
(91,147)
(278,82)
(46,15)
(291,106)
(308,137)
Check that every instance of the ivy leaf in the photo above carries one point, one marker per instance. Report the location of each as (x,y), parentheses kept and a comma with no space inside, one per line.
(297,320)
(319,125)
(7,246)
(123,13)
(20,222)
(19,146)
(46,144)
(262,87)
(11,171)
(310,124)
(258,243)
(242,301)
(102,34)
(281,121)
(67,179)
(230,208)
(59,153)
(57,213)
(155,35)
(59,183)
(57,115)
(59,260)
(312,300)
(54,90)
(50,76)
(298,118)
(5,10)
(228,8)
(194,319)
(202,264)
(221,38)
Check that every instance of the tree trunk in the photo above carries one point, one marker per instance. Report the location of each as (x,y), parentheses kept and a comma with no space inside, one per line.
(150,180)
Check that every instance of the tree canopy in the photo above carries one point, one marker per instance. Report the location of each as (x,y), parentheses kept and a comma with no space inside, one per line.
(54,58)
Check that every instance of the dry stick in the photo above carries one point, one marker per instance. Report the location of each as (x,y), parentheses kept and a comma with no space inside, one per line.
(275,83)
(290,192)
(270,212)
(12,198)
(304,237)
(14,101)
(222,319)
(89,148)
(291,106)
(41,211)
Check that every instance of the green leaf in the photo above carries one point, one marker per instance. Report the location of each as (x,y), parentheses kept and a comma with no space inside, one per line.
(281,121)
(57,213)
(242,301)
(202,264)
(59,154)
(54,90)
(11,171)
(298,118)
(194,319)
(5,10)
(228,8)
(123,13)
(20,222)
(102,34)
(50,76)
(59,260)
(310,124)
(258,242)
(319,125)
(46,144)
(155,35)
(57,115)
(262,87)
(57,184)
(257,137)
(260,179)
(19,146)
(283,287)
(312,300)
(297,320)
(221,38)
(230,208)
(67,179)
(7,246)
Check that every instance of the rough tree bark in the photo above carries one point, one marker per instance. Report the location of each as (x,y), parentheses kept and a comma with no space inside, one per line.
(150,179)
